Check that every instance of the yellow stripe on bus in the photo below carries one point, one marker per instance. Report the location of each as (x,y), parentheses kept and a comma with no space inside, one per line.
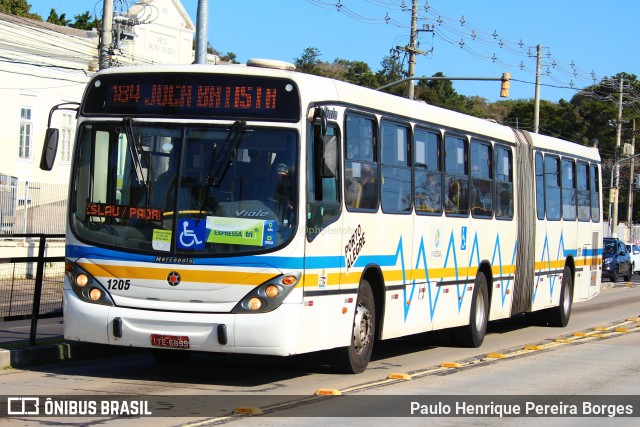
(201,276)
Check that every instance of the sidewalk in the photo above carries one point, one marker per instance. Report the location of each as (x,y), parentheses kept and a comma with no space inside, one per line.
(50,347)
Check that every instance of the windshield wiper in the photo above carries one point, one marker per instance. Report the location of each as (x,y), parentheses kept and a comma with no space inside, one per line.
(135,152)
(217,170)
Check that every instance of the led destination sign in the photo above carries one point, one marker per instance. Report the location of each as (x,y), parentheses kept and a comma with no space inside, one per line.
(193,95)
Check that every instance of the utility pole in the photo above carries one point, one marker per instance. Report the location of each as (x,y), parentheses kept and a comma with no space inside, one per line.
(105,35)
(614,185)
(412,49)
(201,32)
(631,181)
(536,107)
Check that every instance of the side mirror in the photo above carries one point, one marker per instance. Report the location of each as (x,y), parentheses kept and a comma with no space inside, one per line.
(320,118)
(49,149)
(329,156)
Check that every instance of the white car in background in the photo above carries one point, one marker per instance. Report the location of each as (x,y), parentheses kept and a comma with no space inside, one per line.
(634,252)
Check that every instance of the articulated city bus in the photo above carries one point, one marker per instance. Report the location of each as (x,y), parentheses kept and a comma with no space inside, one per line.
(255,209)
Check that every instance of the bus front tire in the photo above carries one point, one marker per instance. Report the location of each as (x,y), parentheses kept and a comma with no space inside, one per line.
(473,334)
(354,358)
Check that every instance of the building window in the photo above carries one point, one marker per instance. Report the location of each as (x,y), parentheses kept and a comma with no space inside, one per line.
(66,137)
(26,133)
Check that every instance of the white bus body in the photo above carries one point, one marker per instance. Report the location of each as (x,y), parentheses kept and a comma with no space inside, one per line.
(350,259)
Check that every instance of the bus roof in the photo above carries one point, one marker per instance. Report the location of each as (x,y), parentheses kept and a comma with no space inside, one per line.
(319,89)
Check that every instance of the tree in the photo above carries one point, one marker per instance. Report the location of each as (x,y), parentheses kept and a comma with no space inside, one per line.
(390,72)
(229,57)
(357,72)
(58,20)
(84,22)
(308,62)
(18,8)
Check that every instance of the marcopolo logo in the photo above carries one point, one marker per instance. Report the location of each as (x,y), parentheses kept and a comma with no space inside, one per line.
(173,278)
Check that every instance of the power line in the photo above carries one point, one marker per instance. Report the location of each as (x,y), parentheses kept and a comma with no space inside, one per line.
(459,31)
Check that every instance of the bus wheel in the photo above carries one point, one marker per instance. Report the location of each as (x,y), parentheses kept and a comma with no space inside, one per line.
(559,316)
(170,357)
(354,358)
(473,334)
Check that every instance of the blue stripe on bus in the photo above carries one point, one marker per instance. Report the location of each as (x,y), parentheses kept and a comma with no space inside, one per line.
(275,261)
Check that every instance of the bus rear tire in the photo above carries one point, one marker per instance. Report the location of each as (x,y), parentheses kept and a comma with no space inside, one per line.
(354,358)
(473,334)
(559,316)
(170,357)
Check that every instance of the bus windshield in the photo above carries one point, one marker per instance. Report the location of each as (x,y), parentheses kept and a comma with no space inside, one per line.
(185,189)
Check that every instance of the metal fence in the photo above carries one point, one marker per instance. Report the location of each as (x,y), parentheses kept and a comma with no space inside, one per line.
(31,280)
(31,207)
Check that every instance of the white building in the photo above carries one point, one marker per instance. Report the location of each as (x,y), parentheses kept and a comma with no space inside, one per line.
(42,65)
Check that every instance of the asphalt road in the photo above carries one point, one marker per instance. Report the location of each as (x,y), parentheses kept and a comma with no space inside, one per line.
(584,361)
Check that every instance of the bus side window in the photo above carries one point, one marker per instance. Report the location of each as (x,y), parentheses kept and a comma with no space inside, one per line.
(540,196)
(552,187)
(582,181)
(396,173)
(481,180)
(503,175)
(323,206)
(456,200)
(427,172)
(594,188)
(568,189)
(361,166)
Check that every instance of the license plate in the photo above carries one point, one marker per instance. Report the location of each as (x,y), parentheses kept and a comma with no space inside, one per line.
(171,341)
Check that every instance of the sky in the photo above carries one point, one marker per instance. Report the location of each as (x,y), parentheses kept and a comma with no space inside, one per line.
(582,41)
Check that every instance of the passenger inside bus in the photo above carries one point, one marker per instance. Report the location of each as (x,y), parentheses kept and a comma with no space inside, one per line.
(453,198)
(434,193)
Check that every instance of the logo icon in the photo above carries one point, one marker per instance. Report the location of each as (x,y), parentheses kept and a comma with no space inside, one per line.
(192,234)
(23,406)
(173,278)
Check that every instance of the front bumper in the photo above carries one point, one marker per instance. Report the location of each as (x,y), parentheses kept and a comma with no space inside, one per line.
(272,333)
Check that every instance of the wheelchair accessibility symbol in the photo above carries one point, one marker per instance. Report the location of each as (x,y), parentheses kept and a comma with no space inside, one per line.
(191,234)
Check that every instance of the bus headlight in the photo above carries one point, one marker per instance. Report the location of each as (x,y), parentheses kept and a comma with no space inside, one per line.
(95,294)
(255,303)
(82,280)
(269,295)
(85,286)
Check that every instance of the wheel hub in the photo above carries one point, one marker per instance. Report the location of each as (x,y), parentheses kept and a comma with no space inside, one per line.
(361,329)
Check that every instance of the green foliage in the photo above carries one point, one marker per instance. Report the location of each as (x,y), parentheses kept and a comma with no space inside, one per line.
(18,8)
(86,21)
(309,62)
(58,20)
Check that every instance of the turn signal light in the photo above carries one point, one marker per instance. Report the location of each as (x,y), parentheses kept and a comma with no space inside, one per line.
(289,280)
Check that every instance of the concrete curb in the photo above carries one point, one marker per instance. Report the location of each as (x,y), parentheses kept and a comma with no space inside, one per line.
(55,353)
